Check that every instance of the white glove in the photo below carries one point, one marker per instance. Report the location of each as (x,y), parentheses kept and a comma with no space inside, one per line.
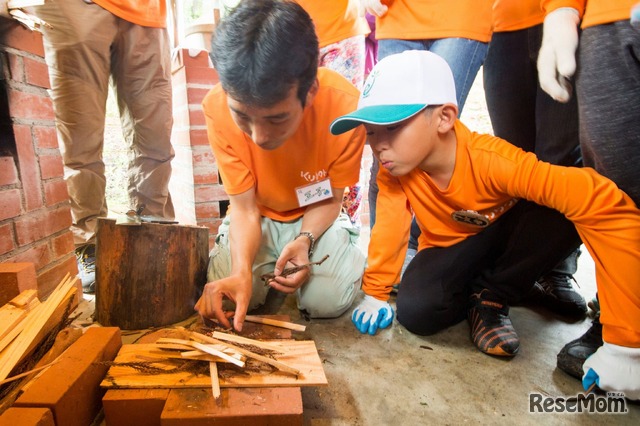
(557,56)
(614,368)
(374,7)
(372,314)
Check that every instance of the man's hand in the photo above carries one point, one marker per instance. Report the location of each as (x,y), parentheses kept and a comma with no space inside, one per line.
(234,288)
(374,7)
(293,254)
(614,368)
(371,315)
(557,56)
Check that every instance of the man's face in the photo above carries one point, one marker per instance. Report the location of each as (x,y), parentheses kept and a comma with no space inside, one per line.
(269,127)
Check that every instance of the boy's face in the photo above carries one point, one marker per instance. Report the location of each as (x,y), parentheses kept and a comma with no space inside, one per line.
(403,146)
(269,127)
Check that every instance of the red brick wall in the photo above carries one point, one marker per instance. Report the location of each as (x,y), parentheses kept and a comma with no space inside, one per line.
(34,204)
(197,193)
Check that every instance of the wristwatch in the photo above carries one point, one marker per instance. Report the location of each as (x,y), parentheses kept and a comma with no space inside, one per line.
(312,240)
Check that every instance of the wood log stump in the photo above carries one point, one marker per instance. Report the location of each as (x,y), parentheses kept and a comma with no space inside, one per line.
(148,275)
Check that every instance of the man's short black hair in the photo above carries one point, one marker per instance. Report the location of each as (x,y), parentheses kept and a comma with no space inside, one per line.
(262,49)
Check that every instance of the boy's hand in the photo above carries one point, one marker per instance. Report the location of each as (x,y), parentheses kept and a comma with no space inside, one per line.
(372,314)
(374,7)
(557,56)
(614,368)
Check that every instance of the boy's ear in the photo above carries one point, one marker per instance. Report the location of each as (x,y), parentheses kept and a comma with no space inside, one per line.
(448,113)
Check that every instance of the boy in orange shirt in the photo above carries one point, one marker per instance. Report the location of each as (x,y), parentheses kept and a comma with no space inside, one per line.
(268,125)
(484,203)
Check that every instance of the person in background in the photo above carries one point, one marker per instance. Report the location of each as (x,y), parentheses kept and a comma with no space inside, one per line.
(486,202)
(457,31)
(606,70)
(523,114)
(88,44)
(341,36)
(268,126)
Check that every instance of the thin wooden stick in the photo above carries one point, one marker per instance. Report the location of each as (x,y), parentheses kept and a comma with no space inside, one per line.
(215,381)
(26,373)
(17,4)
(275,323)
(207,349)
(245,341)
(267,278)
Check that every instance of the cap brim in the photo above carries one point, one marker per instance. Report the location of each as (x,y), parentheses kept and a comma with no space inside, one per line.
(377,114)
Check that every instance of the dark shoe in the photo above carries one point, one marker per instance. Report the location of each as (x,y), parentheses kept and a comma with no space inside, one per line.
(491,328)
(557,294)
(574,353)
(86,258)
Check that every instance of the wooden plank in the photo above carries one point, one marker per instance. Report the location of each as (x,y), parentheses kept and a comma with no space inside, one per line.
(301,354)
(17,309)
(276,323)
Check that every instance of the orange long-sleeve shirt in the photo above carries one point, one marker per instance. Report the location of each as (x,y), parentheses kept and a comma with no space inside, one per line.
(335,20)
(148,13)
(311,154)
(489,173)
(513,15)
(434,19)
(594,12)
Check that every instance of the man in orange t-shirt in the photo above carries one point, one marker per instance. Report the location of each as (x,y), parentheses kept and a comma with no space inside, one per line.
(268,125)
(88,44)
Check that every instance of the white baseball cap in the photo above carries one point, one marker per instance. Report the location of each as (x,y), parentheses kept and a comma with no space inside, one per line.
(399,87)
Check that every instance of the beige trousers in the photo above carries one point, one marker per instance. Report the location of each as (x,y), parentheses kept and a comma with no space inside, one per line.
(87,47)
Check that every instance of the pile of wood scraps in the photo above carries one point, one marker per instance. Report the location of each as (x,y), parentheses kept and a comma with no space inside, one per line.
(28,329)
(218,359)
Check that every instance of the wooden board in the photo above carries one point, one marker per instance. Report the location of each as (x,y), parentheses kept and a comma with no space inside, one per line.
(302,355)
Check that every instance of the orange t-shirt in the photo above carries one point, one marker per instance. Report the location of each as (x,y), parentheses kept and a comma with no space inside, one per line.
(489,172)
(310,155)
(513,15)
(597,12)
(435,19)
(148,13)
(335,20)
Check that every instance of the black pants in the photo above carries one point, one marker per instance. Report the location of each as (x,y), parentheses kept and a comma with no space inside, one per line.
(506,258)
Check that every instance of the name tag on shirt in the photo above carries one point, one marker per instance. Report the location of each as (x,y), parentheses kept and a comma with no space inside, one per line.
(314,192)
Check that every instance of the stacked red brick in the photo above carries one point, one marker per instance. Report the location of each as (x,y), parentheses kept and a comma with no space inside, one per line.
(34,207)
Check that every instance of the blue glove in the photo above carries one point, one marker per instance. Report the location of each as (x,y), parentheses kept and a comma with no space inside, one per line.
(372,314)
(614,368)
